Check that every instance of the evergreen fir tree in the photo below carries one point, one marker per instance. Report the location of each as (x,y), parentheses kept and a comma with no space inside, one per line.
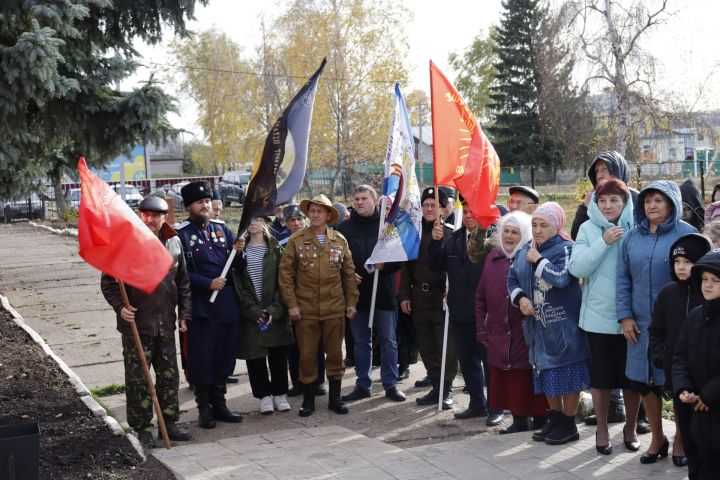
(516,133)
(60,66)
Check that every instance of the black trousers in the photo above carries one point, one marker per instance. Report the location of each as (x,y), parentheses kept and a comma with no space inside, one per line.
(276,383)
(692,453)
(710,468)
(471,353)
(211,349)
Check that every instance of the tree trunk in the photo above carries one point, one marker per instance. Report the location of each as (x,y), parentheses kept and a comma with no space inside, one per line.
(622,93)
(59,197)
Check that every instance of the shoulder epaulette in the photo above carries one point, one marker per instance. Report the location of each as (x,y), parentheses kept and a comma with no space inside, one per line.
(215,220)
(180,225)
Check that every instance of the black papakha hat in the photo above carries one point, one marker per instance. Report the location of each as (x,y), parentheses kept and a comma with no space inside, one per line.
(194,191)
(151,203)
(429,192)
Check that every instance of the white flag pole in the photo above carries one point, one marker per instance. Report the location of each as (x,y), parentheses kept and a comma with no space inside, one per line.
(224,273)
(441,387)
(381,205)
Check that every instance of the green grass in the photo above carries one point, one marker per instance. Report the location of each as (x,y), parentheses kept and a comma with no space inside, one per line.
(107,390)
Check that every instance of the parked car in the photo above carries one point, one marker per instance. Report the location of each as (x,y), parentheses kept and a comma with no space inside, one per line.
(30,206)
(173,191)
(131,194)
(232,187)
(72,199)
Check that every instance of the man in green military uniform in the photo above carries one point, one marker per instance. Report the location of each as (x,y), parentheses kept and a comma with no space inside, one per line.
(155,318)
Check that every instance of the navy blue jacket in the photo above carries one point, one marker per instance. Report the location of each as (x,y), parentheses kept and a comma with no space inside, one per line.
(450,254)
(206,249)
(361,234)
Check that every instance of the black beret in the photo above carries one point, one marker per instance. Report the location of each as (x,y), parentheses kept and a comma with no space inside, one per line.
(152,203)
(195,191)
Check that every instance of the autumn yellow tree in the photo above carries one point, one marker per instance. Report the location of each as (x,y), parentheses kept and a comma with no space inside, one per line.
(364,42)
(215,75)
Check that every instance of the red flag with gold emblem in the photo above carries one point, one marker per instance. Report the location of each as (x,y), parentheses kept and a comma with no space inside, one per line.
(463,156)
(114,240)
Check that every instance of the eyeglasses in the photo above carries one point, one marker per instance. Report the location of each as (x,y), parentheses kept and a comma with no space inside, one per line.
(519,203)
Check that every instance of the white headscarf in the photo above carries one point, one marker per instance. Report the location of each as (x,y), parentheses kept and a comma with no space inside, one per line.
(519,220)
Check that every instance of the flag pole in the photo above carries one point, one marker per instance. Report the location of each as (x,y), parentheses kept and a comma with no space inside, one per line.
(226,268)
(146,370)
(441,387)
(376,276)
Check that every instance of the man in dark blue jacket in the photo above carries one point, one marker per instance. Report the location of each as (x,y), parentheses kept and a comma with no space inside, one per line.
(361,231)
(450,254)
(212,334)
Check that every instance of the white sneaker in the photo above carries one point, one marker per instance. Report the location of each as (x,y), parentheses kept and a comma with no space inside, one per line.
(266,405)
(281,403)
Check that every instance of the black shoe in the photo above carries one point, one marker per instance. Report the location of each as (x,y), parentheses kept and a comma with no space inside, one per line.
(679,461)
(520,424)
(205,416)
(590,420)
(308,405)
(176,433)
(146,439)
(430,398)
(232,380)
(358,393)
(631,445)
(335,403)
(603,450)
(403,372)
(539,421)
(447,401)
(425,382)
(320,390)
(295,391)
(221,412)
(616,413)
(469,413)
(643,427)
(394,394)
(648,457)
(565,431)
(553,419)
(494,419)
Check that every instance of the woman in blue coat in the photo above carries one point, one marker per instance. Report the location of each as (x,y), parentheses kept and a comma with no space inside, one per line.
(541,285)
(643,269)
(594,259)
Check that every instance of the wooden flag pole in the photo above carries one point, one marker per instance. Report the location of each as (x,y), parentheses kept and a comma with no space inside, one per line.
(146,370)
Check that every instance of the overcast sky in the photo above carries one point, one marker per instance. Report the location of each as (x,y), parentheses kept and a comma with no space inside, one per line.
(686,47)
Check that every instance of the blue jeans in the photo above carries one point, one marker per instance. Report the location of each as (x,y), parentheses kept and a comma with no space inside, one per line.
(470,353)
(385,324)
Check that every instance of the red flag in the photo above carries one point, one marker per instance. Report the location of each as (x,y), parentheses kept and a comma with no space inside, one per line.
(463,155)
(114,240)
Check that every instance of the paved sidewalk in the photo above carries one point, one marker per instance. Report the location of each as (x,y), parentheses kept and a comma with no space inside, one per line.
(341,454)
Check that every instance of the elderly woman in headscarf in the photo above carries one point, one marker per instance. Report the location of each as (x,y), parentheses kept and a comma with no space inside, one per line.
(499,328)
(542,286)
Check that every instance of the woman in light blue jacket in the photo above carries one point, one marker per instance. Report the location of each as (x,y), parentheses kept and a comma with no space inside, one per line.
(643,269)
(594,260)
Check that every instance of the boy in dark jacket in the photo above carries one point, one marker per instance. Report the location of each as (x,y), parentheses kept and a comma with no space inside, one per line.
(696,368)
(672,305)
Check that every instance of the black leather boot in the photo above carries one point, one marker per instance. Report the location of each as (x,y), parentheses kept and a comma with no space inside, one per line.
(447,401)
(430,398)
(176,432)
(335,403)
(554,419)
(308,405)
(520,424)
(219,406)
(205,411)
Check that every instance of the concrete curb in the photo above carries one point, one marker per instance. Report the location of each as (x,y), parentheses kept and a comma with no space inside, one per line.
(70,232)
(77,383)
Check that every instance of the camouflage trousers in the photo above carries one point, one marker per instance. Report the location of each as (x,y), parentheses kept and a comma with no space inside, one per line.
(161,356)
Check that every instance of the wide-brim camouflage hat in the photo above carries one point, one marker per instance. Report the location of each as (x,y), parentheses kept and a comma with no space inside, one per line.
(325,202)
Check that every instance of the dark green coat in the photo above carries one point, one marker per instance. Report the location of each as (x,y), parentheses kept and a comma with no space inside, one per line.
(252,342)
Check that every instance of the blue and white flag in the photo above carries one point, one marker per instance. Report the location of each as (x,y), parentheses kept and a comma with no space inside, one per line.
(399,238)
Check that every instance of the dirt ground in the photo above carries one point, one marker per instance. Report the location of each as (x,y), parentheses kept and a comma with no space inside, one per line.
(74,443)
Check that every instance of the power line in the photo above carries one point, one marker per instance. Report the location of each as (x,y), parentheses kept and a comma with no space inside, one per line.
(255,74)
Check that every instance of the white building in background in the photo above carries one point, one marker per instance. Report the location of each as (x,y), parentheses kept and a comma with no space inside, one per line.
(678,145)
(423,147)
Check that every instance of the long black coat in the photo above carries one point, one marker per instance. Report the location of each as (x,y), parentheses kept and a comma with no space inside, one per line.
(672,305)
(696,368)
